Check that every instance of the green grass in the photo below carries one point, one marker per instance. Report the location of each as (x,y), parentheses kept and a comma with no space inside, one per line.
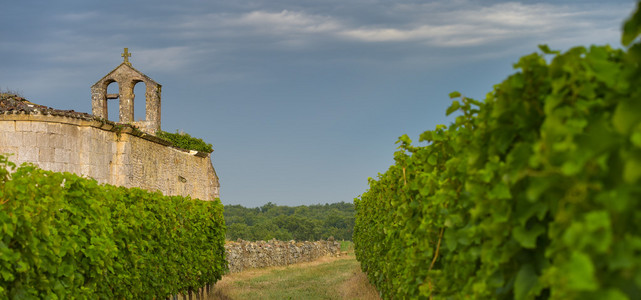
(310,284)
(328,278)
(347,246)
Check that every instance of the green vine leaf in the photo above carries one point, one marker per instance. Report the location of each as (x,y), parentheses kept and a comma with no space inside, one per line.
(632,27)
(526,280)
(527,237)
(545,49)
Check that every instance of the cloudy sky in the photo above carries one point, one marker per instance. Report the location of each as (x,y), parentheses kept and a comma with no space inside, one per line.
(302,99)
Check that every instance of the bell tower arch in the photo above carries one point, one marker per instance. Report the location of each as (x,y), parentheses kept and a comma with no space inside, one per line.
(127,77)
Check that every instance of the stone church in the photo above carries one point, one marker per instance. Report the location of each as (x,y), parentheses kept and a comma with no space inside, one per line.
(124,153)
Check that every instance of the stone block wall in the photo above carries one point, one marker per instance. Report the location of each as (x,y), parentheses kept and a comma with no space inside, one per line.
(110,154)
(242,255)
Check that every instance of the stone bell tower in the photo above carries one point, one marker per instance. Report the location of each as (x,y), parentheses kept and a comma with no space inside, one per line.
(127,77)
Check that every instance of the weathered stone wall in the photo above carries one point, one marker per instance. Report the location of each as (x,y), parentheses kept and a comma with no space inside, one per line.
(107,153)
(242,255)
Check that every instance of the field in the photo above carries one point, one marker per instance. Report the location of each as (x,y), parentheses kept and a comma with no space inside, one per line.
(325,278)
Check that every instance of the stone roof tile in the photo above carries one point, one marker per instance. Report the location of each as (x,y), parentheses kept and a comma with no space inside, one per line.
(11,103)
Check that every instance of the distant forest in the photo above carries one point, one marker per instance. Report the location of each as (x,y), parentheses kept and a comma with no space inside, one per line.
(300,223)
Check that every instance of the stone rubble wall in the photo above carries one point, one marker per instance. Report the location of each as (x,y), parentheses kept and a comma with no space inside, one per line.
(243,255)
(106,152)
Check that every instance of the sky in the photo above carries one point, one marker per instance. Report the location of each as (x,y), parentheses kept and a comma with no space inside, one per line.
(303,100)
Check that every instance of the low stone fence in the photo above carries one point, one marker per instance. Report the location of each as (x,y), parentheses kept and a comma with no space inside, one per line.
(243,255)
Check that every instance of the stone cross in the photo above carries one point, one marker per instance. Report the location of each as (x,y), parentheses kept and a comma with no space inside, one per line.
(126,55)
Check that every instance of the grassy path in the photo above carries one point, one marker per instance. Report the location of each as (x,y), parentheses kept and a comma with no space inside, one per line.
(326,278)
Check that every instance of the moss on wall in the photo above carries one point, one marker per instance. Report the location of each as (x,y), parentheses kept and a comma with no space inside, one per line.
(185,141)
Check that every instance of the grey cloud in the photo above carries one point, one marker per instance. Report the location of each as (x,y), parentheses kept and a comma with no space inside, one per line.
(233,36)
(469,25)
(440,24)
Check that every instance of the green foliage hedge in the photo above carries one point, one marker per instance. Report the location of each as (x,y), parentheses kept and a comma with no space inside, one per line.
(63,236)
(185,141)
(300,223)
(534,193)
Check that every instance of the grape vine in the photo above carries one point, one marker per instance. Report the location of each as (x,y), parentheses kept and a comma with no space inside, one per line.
(533,193)
(64,236)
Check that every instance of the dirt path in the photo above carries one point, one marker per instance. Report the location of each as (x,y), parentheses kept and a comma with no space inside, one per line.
(325,278)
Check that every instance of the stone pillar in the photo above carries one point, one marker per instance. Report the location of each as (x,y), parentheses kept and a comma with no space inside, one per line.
(126,101)
(152,116)
(99,101)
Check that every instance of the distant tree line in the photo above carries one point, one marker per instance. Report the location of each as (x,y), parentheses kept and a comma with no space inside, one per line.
(300,223)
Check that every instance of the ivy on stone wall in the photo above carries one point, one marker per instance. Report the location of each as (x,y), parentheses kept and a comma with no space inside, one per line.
(185,141)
